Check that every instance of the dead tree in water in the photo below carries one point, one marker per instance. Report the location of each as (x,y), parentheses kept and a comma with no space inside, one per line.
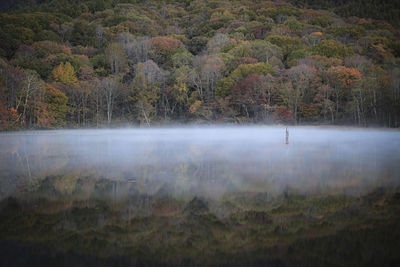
(287,136)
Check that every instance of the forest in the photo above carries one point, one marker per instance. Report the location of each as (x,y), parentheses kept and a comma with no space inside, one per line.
(107,63)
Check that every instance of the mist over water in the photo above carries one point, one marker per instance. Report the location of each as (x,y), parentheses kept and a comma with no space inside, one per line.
(207,161)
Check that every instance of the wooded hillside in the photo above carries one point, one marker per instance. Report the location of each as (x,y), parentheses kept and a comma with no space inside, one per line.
(113,62)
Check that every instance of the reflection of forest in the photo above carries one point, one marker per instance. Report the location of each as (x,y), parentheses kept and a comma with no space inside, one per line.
(241,228)
(157,199)
(146,164)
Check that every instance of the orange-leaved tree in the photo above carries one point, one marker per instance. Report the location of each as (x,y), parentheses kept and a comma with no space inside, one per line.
(341,79)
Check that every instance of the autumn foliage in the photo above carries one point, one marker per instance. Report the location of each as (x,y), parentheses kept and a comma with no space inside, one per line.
(150,62)
(8,116)
(345,77)
(164,43)
(64,73)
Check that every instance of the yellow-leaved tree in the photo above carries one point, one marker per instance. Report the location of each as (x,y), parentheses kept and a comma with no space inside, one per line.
(64,73)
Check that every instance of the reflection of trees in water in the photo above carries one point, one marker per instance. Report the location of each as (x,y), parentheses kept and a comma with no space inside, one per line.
(146,163)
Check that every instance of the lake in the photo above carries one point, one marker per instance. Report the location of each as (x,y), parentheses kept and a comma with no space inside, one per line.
(207,161)
(200,196)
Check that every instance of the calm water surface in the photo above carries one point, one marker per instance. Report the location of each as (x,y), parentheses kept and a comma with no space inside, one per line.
(203,161)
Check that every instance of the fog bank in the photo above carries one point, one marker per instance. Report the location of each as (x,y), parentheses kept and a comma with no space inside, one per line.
(205,160)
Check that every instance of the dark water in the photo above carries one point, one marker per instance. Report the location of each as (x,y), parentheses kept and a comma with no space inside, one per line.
(204,161)
(226,196)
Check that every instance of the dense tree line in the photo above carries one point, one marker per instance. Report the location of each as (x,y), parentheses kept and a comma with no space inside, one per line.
(377,9)
(151,62)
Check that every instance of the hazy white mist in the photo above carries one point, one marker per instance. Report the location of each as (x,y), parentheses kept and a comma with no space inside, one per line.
(207,160)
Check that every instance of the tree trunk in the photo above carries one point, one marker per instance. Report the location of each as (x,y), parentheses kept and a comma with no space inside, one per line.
(337,106)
